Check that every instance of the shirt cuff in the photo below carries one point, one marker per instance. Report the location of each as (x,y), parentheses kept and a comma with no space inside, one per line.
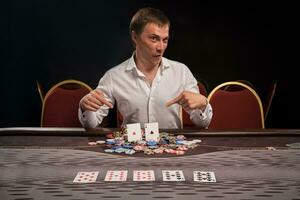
(202,118)
(87,118)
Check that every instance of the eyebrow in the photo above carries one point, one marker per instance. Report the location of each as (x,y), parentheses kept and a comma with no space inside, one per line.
(157,36)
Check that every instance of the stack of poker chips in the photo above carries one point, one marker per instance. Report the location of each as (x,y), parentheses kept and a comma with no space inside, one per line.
(168,143)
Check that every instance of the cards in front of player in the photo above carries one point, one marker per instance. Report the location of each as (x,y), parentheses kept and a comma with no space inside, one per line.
(204,176)
(143,175)
(173,175)
(151,131)
(86,177)
(118,175)
(134,132)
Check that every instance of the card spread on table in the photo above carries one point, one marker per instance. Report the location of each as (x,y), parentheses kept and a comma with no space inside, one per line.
(151,131)
(119,175)
(204,176)
(143,175)
(173,175)
(86,177)
(134,132)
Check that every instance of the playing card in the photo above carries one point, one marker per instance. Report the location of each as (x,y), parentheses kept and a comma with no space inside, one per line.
(173,175)
(134,132)
(85,177)
(151,131)
(202,176)
(120,175)
(143,175)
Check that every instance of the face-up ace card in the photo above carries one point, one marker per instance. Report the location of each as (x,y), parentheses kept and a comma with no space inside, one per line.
(86,177)
(151,131)
(120,175)
(143,175)
(202,176)
(173,175)
(134,132)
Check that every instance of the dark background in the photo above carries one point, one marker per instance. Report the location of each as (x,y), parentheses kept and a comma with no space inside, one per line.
(50,41)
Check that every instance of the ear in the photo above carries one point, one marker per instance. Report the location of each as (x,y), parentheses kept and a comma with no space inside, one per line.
(133,36)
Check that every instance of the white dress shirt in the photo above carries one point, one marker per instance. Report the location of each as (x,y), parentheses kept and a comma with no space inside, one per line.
(140,102)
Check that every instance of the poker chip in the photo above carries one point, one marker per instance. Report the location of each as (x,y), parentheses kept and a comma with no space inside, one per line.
(197,141)
(120,150)
(180,137)
(109,150)
(116,147)
(152,147)
(110,141)
(127,146)
(168,143)
(271,148)
(151,143)
(178,152)
(182,148)
(158,151)
(148,151)
(100,142)
(129,151)
(179,141)
(138,147)
(92,143)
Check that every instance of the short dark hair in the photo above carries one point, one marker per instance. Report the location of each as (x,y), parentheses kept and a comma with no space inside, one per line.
(145,16)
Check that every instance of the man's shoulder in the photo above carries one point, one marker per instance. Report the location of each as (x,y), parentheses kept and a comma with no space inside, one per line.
(119,68)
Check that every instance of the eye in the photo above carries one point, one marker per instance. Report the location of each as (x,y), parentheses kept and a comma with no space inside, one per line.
(154,38)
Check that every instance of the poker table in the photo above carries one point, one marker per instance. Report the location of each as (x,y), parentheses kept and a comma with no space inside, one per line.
(41,163)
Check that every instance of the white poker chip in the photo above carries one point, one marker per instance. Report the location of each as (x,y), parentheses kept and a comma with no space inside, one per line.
(92,143)
(100,142)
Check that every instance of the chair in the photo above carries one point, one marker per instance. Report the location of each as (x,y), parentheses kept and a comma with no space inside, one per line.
(186,121)
(238,87)
(60,105)
(269,98)
(238,109)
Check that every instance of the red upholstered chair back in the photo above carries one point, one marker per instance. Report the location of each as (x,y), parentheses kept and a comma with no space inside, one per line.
(238,109)
(186,121)
(60,105)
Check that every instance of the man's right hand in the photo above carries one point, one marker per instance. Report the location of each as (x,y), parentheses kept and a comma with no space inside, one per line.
(93,101)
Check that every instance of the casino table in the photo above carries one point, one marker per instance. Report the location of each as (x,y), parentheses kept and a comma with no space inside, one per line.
(41,163)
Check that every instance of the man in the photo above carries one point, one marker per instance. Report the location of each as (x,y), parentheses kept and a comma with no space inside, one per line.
(147,87)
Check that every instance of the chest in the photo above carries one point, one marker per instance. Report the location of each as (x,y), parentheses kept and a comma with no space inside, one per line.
(136,92)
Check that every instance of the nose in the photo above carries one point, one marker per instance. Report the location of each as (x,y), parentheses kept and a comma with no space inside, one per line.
(160,46)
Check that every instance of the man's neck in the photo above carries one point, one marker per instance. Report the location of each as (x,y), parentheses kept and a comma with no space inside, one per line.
(146,68)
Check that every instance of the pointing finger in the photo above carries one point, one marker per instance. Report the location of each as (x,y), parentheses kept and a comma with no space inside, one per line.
(175,100)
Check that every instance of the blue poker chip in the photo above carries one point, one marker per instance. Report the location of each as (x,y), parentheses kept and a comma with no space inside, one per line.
(153,147)
(127,146)
(179,141)
(163,141)
(151,143)
(110,141)
(116,147)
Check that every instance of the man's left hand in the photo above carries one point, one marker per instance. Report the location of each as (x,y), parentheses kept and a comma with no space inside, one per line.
(189,101)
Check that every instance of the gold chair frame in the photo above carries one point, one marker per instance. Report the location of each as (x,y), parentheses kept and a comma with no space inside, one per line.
(56,86)
(245,86)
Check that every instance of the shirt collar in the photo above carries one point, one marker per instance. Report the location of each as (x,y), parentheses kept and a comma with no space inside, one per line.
(165,64)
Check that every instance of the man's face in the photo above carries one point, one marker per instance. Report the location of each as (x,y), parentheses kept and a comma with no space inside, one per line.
(152,43)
